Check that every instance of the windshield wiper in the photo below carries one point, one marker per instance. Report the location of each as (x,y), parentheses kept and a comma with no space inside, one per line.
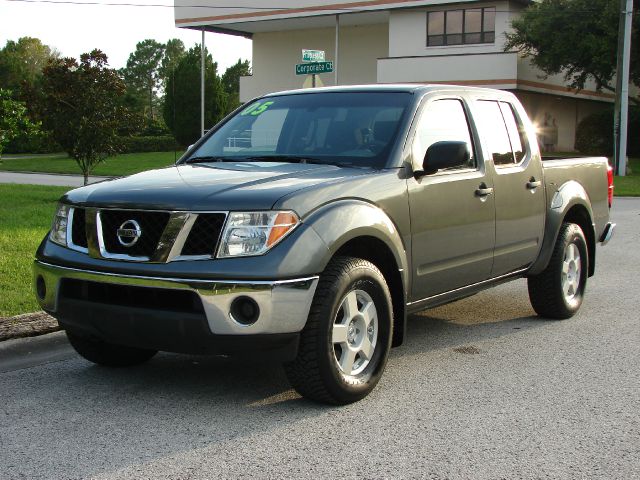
(204,159)
(291,159)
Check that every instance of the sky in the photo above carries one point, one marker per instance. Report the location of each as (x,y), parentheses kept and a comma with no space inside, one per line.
(75,29)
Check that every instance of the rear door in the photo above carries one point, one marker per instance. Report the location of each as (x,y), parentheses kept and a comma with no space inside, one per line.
(518,183)
(452,211)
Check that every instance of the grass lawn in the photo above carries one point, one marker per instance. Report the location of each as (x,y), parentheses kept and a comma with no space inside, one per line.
(125,164)
(629,185)
(26,212)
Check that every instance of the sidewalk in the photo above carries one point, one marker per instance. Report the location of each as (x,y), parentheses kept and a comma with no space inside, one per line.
(47,179)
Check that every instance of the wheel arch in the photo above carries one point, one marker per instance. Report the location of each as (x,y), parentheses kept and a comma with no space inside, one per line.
(570,203)
(360,229)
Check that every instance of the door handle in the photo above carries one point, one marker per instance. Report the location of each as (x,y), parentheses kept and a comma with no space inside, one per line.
(483,190)
(533,183)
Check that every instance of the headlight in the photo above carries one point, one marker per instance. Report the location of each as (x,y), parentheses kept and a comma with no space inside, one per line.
(254,233)
(59,228)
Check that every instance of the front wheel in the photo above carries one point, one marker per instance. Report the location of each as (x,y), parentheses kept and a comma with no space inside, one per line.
(558,291)
(108,354)
(345,343)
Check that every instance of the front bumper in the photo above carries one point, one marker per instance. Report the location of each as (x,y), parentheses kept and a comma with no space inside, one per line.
(284,304)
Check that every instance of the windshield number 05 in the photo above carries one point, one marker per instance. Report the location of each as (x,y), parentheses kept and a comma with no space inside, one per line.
(257,108)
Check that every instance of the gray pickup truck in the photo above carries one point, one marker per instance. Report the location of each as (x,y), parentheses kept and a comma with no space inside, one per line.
(308,224)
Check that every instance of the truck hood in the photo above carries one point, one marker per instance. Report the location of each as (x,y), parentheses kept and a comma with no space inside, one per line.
(211,186)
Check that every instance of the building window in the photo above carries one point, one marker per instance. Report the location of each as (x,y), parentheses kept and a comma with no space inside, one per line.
(460,27)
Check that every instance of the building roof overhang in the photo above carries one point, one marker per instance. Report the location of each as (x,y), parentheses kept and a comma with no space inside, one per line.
(244,18)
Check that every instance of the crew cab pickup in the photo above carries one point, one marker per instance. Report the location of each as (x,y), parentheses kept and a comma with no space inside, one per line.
(308,224)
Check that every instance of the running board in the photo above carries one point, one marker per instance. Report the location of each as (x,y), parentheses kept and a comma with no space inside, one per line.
(462,292)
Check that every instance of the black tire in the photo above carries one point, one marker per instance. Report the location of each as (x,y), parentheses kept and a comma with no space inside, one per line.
(547,290)
(315,373)
(107,354)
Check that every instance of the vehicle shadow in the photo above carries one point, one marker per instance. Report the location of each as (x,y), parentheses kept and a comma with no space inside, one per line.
(114,418)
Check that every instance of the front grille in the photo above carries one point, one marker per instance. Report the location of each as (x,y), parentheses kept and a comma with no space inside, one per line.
(204,235)
(152,224)
(78,228)
(162,299)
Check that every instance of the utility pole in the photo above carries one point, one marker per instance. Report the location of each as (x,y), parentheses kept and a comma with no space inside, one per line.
(621,112)
(202,73)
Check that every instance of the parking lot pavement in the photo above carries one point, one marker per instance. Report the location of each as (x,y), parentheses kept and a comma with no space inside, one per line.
(481,389)
(47,179)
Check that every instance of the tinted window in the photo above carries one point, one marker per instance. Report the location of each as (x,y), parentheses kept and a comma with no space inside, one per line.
(442,120)
(494,132)
(455,27)
(354,128)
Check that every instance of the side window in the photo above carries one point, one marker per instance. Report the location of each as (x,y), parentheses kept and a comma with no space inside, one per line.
(442,120)
(493,129)
(516,132)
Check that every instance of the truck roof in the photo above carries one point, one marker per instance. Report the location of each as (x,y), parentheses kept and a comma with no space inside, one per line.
(398,87)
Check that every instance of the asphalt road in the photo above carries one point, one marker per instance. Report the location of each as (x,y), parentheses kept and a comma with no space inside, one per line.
(541,399)
(47,179)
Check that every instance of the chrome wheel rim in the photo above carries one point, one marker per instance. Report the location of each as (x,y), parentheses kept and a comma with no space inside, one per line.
(355,332)
(571,272)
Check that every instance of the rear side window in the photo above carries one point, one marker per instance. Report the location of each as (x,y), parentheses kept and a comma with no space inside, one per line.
(502,132)
(442,120)
(494,131)
(516,132)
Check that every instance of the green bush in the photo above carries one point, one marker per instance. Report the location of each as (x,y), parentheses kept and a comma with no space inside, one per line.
(594,135)
(42,142)
(164,143)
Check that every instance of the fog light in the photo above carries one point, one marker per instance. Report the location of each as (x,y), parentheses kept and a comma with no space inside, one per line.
(41,287)
(245,311)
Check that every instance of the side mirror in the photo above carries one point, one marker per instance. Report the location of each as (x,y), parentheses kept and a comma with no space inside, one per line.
(445,155)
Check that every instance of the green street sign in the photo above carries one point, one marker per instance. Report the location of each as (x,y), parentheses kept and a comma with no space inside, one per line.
(312,55)
(314,68)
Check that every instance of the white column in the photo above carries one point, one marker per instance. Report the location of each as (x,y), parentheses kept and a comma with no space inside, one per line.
(335,63)
(202,75)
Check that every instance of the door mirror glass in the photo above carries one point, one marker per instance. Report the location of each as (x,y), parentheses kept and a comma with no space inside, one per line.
(446,154)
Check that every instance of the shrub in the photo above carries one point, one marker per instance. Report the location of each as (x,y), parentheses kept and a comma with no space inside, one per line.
(594,135)
(165,143)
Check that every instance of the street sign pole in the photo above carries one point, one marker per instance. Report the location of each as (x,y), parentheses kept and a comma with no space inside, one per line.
(313,81)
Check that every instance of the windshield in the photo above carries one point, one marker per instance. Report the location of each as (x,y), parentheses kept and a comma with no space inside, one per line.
(344,128)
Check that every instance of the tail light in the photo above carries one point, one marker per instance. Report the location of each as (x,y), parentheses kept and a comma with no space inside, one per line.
(610,183)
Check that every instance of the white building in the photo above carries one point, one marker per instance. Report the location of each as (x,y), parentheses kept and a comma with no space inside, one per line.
(391,41)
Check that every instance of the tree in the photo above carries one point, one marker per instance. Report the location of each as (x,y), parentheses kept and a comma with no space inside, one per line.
(22,62)
(142,72)
(13,119)
(578,38)
(173,52)
(231,82)
(84,109)
(182,97)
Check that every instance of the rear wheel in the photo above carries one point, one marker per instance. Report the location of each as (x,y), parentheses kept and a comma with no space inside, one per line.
(108,354)
(345,343)
(558,291)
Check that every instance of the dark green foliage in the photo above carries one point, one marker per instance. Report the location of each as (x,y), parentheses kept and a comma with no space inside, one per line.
(173,52)
(22,63)
(594,135)
(231,82)
(14,120)
(164,143)
(182,97)
(84,108)
(142,73)
(578,38)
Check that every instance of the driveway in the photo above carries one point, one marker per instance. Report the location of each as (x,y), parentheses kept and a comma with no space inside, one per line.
(482,389)
(47,179)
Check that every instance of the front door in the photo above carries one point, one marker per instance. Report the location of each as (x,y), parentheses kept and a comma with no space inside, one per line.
(452,211)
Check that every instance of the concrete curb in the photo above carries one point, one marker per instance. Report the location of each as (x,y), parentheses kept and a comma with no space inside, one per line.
(21,353)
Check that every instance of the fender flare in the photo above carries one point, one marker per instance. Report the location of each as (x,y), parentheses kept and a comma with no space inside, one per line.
(568,196)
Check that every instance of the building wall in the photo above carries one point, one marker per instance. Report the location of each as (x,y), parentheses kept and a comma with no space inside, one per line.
(408,31)
(557,117)
(275,55)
